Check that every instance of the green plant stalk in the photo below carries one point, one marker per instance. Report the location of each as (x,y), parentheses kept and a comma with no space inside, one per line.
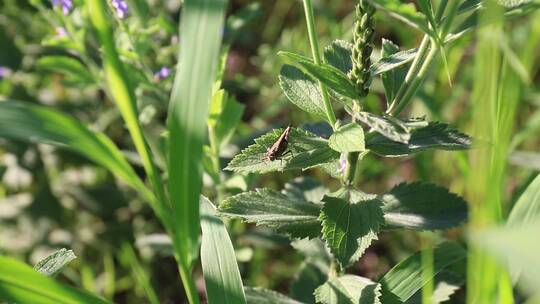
(124,96)
(427,267)
(308,9)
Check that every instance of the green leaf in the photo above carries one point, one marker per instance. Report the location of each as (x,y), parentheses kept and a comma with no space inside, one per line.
(405,279)
(305,188)
(350,227)
(445,284)
(201,24)
(224,115)
(19,283)
(390,128)
(405,12)
(392,61)
(218,260)
(435,136)
(348,138)
(349,289)
(257,295)
(525,212)
(307,151)
(339,54)
(313,270)
(296,218)
(33,123)
(513,3)
(423,206)
(302,90)
(327,74)
(393,78)
(53,264)
(72,68)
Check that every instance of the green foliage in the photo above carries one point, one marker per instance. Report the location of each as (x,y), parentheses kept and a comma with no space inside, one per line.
(302,90)
(338,54)
(391,128)
(20,283)
(325,73)
(348,289)
(53,264)
(405,279)
(257,295)
(307,151)
(347,138)
(270,208)
(394,78)
(349,227)
(72,68)
(423,206)
(436,135)
(405,12)
(188,113)
(224,115)
(218,260)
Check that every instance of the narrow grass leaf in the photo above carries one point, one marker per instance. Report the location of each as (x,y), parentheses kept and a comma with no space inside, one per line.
(200,28)
(19,283)
(258,295)
(302,90)
(405,279)
(141,275)
(423,206)
(327,74)
(218,260)
(307,150)
(348,138)
(349,289)
(446,284)
(296,218)
(31,123)
(436,135)
(53,264)
(350,227)
(338,54)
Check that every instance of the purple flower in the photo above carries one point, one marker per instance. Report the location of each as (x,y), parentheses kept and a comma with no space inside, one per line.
(121,8)
(163,73)
(60,32)
(4,72)
(66,5)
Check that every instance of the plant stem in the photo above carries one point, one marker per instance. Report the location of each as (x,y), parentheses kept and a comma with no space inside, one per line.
(308,9)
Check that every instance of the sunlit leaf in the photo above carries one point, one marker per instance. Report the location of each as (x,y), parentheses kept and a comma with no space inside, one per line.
(302,90)
(349,289)
(348,138)
(257,295)
(53,264)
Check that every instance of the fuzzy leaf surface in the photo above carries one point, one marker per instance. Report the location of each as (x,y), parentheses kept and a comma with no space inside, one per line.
(348,138)
(392,61)
(258,295)
(423,206)
(349,289)
(273,209)
(307,151)
(390,129)
(392,79)
(350,227)
(53,264)
(338,54)
(301,90)
(436,135)
(325,73)
(405,279)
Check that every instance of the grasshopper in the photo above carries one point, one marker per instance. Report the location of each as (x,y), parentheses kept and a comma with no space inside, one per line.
(279,148)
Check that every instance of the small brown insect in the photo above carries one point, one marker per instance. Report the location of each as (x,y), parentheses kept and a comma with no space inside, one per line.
(279,147)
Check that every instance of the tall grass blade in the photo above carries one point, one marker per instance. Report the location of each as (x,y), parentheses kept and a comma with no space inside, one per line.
(19,283)
(221,274)
(200,28)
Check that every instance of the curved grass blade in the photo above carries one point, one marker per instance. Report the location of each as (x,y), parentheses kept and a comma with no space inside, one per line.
(19,283)
(221,274)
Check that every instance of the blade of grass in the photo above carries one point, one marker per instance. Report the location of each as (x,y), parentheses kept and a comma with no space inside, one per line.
(123,93)
(20,283)
(200,28)
(221,274)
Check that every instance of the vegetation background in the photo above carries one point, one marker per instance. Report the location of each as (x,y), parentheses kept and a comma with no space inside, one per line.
(52,198)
